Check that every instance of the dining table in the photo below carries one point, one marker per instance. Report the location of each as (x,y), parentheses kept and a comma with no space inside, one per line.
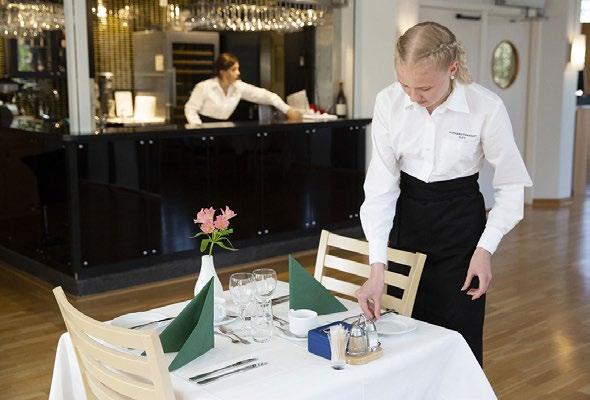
(426,362)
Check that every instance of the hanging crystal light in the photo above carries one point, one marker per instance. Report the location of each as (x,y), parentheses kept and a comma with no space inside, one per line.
(254,15)
(28,19)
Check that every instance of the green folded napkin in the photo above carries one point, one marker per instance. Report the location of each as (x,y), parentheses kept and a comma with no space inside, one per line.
(306,292)
(191,332)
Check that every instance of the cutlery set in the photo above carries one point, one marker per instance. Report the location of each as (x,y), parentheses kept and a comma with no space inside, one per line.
(244,365)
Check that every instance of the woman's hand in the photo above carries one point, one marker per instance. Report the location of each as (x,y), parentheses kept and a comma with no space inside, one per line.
(294,115)
(369,294)
(480,266)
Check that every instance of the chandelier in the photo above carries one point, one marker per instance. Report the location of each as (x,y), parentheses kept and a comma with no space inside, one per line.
(23,19)
(253,15)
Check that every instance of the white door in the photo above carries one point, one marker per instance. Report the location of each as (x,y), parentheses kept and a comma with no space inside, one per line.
(514,96)
(468,30)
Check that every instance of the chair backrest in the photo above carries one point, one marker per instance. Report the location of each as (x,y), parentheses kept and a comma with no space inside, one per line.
(108,369)
(409,283)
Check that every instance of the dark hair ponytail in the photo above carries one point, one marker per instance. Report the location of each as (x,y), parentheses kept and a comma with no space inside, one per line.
(224,62)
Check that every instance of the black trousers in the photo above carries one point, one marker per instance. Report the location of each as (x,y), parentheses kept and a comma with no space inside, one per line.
(443,220)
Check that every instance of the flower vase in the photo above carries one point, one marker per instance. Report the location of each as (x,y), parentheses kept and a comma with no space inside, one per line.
(205,274)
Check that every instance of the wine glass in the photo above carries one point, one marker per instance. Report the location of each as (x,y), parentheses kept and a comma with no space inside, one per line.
(241,289)
(265,282)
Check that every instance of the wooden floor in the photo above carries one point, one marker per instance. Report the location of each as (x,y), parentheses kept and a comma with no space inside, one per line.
(537,332)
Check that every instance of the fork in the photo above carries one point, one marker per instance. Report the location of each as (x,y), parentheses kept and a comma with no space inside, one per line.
(280,320)
(227,331)
(225,335)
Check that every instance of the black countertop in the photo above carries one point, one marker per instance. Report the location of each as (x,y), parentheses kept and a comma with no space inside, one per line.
(210,128)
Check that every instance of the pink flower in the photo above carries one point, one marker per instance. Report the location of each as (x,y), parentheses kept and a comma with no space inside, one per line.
(205,215)
(208,227)
(221,222)
(227,213)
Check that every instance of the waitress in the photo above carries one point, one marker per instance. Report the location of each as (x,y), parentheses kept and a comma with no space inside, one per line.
(216,99)
(431,132)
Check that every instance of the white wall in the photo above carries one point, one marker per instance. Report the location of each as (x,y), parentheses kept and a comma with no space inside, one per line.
(378,24)
(346,52)
(80,86)
(553,144)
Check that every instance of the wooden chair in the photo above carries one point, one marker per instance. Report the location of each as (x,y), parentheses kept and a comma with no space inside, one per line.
(108,370)
(409,284)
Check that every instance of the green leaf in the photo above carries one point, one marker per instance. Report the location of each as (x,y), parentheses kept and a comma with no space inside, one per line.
(220,244)
(204,244)
(230,243)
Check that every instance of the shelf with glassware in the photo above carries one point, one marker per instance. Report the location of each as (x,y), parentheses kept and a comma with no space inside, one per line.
(36,72)
(40,57)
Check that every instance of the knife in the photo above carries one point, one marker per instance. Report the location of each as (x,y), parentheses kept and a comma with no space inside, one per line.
(385,312)
(235,371)
(236,364)
(150,323)
(280,299)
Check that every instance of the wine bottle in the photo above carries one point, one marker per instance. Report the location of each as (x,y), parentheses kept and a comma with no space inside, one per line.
(341,103)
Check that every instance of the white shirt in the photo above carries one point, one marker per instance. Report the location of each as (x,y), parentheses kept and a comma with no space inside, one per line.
(208,98)
(447,144)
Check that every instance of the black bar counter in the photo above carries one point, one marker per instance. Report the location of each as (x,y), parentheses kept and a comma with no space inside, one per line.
(103,211)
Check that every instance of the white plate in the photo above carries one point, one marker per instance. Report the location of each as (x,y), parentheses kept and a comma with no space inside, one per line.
(395,326)
(290,336)
(138,318)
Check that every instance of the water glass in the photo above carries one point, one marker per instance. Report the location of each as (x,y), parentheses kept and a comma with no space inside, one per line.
(241,289)
(262,325)
(265,281)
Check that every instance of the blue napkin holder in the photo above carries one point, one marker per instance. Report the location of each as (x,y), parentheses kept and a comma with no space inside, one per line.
(318,342)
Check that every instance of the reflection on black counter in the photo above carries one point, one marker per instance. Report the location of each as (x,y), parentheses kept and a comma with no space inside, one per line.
(131,194)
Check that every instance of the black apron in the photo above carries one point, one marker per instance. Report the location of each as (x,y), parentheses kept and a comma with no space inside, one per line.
(238,114)
(443,220)
(205,118)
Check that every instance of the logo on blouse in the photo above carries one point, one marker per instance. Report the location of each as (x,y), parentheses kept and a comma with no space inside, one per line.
(462,135)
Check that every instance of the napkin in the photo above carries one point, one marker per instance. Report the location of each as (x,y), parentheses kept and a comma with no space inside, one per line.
(191,332)
(306,292)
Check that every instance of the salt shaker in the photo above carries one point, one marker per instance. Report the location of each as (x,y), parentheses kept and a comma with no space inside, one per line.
(357,342)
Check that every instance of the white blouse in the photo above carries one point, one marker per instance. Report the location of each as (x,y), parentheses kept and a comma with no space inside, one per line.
(208,98)
(447,144)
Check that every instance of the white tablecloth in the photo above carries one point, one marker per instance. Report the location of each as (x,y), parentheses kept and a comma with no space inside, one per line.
(428,363)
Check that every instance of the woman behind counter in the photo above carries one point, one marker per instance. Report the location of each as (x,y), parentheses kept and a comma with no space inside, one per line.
(216,99)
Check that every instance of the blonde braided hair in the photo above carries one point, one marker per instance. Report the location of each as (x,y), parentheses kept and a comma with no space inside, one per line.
(432,42)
